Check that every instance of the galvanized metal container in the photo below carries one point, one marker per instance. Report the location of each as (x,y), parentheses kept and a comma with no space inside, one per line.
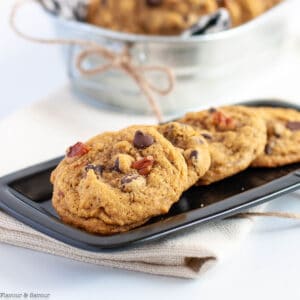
(206,67)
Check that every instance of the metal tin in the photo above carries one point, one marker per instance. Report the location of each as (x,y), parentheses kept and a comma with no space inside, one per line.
(204,65)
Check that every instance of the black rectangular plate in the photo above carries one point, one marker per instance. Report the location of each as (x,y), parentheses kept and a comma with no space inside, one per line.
(26,195)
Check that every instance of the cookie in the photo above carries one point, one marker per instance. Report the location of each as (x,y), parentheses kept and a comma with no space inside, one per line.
(236,136)
(193,146)
(171,17)
(118,180)
(242,11)
(92,224)
(283,144)
(158,17)
(168,17)
(235,11)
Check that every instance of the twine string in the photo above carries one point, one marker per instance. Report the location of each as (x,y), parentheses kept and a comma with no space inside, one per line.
(274,214)
(115,60)
(124,62)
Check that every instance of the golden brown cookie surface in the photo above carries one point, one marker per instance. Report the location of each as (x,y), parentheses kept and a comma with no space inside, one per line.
(162,17)
(168,17)
(236,136)
(242,11)
(283,145)
(93,224)
(119,178)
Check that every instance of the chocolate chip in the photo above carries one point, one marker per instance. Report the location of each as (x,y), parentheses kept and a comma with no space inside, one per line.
(143,165)
(128,178)
(153,2)
(142,140)
(268,149)
(116,166)
(212,110)
(194,154)
(293,126)
(98,169)
(89,167)
(207,136)
(277,135)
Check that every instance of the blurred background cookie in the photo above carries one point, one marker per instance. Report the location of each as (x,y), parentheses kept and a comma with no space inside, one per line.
(283,144)
(168,17)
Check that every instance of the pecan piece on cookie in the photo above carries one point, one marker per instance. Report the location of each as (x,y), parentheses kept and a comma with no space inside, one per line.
(143,165)
(293,126)
(78,149)
(222,121)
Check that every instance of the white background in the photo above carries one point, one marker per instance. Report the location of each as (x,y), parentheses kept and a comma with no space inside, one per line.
(267,265)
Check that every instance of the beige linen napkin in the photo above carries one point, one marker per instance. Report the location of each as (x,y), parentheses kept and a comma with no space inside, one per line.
(43,131)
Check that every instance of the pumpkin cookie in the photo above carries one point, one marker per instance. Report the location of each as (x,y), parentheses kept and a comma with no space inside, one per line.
(242,11)
(283,145)
(168,17)
(193,146)
(236,136)
(159,17)
(118,180)
(93,224)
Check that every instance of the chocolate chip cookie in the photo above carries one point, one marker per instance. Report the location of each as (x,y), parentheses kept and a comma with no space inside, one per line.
(168,17)
(283,144)
(193,146)
(242,11)
(118,180)
(160,17)
(236,136)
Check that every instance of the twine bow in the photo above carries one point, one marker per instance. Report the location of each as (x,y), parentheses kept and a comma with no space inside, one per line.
(115,60)
(124,62)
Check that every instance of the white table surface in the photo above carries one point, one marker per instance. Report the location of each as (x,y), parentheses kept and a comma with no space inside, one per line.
(267,265)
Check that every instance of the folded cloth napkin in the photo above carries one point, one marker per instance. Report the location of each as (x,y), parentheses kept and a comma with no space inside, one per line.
(43,131)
